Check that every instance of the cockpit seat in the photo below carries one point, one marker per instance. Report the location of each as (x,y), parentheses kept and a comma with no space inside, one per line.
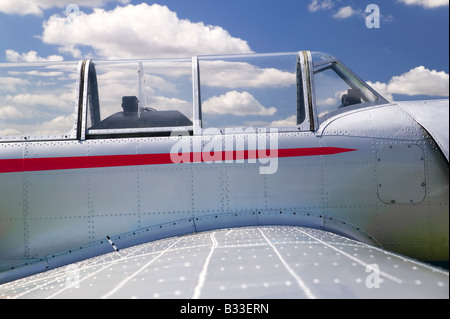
(130,104)
(132,117)
(352,97)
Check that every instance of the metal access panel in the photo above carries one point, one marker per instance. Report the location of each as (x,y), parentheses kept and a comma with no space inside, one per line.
(401,174)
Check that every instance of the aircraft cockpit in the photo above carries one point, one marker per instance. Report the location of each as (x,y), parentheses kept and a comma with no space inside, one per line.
(289,91)
(204,95)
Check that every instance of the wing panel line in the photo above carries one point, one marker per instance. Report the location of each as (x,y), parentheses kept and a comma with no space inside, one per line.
(90,275)
(126,280)
(359,261)
(107,265)
(202,275)
(58,277)
(297,278)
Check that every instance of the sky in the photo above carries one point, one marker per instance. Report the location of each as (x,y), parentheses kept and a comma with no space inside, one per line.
(406,57)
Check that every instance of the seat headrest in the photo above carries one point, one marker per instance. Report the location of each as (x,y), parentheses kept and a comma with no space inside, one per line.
(130,104)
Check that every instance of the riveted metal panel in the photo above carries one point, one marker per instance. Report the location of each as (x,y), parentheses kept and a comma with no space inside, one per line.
(11,192)
(113,201)
(113,223)
(247,188)
(51,217)
(12,239)
(350,184)
(433,116)
(63,203)
(210,189)
(399,126)
(112,147)
(58,237)
(113,191)
(401,174)
(50,149)
(371,121)
(301,185)
(11,150)
(165,190)
(226,220)
(348,123)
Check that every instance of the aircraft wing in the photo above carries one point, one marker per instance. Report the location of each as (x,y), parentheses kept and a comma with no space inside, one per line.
(250,262)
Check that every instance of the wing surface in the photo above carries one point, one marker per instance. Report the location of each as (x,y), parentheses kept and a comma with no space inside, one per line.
(249,262)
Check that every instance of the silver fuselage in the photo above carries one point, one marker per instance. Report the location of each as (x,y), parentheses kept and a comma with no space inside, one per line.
(370,173)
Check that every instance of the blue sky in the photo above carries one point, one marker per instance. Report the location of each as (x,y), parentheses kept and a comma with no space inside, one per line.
(410,48)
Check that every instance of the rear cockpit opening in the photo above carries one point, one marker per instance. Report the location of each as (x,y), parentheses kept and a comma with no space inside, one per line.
(139,97)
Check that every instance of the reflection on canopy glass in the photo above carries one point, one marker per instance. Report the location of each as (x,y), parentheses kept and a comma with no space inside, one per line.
(38,99)
(249,90)
(337,87)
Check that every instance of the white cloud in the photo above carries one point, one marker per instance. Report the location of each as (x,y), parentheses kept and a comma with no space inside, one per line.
(421,81)
(31,56)
(9,112)
(58,125)
(10,132)
(35,99)
(162,103)
(343,12)
(290,121)
(418,81)
(37,73)
(166,85)
(22,7)
(317,5)
(138,31)
(242,74)
(10,84)
(383,89)
(428,4)
(36,7)
(387,19)
(236,103)
(346,12)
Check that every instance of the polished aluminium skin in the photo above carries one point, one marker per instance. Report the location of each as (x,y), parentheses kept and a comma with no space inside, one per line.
(376,172)
(249,263)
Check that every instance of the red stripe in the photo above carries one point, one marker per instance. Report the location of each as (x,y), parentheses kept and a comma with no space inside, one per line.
(79,162)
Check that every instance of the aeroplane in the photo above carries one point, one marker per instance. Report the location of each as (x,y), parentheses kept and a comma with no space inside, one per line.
(280,175)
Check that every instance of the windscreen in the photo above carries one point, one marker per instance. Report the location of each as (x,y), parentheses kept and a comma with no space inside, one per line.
(337,88)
